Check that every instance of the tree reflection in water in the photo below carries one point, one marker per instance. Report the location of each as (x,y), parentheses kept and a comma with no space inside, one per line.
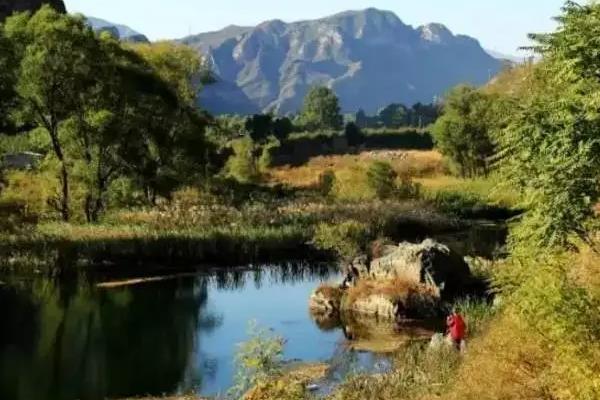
(70,340)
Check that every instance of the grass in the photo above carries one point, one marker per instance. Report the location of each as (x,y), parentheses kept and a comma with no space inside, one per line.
(187,236)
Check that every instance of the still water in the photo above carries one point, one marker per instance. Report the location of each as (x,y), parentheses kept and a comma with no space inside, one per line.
(74,340)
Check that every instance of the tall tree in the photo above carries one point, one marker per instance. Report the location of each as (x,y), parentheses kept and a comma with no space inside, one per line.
(464,132)
(551,148)
(321,110)
(57,61)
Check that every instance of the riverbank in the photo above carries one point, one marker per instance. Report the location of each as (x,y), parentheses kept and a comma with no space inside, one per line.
(187,238)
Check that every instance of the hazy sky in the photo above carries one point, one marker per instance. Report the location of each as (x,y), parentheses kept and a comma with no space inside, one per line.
(500,25)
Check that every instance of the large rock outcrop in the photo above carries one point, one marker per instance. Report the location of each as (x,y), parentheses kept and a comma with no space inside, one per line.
(409,281)
(8,7)
(430,263)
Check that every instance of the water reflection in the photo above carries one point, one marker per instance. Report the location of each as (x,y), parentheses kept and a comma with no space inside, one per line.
(71,340)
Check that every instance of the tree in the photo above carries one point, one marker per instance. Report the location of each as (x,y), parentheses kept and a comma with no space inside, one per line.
(464,132)
(282,127)
(259,127)
(8,77)
(394,116)
(57,60)
(108,111)
(551,147)
(321,110)
(353,134)
(242,165)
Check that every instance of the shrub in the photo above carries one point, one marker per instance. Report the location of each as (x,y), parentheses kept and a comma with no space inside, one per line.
(32,191)
(381,178)
(258,359)
(347,239)
(267,154)
(242,164)
(326,183)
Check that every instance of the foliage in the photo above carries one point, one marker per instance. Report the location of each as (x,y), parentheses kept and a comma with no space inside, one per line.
(321,110)
(347,239)
(353,134)
(33,191)
(107,111)
(258,359)
(418,373)
(326,183)
(464,132)
(267,154)
(551,150)
(381,177)
(399,115)
(176,64)
(242,165)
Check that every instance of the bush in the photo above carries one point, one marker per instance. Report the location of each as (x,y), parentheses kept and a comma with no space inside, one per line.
(257,360)
(268,154)
(242,164)
(381,178)
(33,192)
(347,240)
(326,183)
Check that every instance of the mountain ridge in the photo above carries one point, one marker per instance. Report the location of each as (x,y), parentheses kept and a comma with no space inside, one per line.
(369,57)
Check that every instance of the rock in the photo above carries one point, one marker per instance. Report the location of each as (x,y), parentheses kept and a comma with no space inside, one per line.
(377,305)
(8,7)
(429,263)
(326,299)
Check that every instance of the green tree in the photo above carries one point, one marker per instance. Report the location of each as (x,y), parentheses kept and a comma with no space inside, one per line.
(464,132)
(353,134)
(57,59)
(321,110)
(8,76)
(259,127)
(282,128)
(242,165)
(551,147)
(394,116)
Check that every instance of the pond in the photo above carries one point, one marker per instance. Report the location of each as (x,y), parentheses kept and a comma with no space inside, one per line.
(76,339)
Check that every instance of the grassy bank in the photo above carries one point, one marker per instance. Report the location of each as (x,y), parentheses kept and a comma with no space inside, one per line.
(187,237)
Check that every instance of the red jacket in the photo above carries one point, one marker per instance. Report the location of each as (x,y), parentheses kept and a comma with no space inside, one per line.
(456,327)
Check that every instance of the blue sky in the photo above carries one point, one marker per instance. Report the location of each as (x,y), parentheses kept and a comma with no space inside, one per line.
(500,25)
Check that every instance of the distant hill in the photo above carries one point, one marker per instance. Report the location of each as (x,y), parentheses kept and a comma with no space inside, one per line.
(369,57)
(122,32)
(517,59)
(8,7)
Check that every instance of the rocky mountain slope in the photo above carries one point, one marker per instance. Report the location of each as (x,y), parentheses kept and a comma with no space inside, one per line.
(8,7)
(122,32)
(370,58)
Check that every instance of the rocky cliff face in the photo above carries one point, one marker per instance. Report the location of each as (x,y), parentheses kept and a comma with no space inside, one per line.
(8,7)
(370,58)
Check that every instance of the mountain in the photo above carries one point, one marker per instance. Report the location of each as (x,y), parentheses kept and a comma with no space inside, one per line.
(369,57)
(8,7)
(508,57)
(122,32)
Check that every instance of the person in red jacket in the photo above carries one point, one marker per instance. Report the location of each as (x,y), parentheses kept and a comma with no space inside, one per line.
(457,328)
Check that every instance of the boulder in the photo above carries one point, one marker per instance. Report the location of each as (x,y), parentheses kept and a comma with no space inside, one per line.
(8,7)
(429,263)
(326,300)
